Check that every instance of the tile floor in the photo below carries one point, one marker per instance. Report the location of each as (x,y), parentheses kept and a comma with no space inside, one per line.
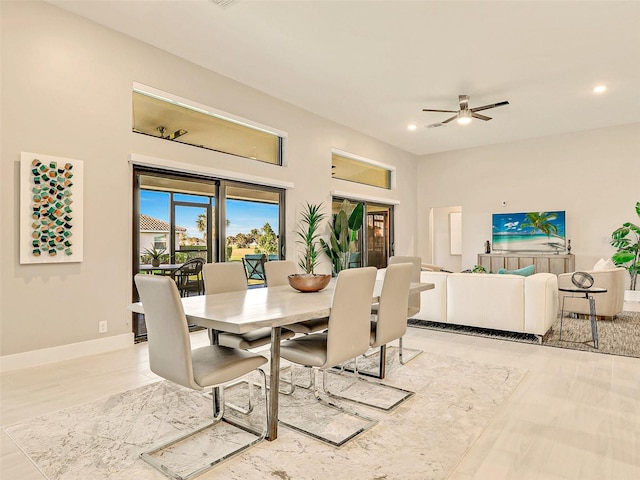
(575,415)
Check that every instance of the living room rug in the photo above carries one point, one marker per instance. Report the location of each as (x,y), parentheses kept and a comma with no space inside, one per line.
(619,336)
(424,437)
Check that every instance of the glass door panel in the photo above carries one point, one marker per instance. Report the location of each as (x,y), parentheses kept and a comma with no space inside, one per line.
(252,225)
(378,222)
(192,222)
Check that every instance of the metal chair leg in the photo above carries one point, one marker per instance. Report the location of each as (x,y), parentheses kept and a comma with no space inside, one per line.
(401,353)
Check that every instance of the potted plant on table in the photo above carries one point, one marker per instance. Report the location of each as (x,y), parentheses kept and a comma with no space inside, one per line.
(627,240)
(155,254)
(308,235)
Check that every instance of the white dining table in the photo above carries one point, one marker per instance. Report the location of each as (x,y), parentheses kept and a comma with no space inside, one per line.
(274,307)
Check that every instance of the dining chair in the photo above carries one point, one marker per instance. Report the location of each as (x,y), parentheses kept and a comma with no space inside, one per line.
(188,277)
(414,300)
(390,324)
(347,337)
(224,277)
(277,273)
(171,357)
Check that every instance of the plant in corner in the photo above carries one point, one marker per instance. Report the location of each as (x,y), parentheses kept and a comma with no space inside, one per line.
(627,240)
(344,229)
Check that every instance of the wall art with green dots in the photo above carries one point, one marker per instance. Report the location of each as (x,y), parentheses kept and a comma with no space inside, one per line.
(51,209)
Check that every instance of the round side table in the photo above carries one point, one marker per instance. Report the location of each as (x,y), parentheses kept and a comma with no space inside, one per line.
(588,295)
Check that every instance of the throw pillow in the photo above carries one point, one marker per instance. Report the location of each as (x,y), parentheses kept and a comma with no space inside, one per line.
(603,264)
(524,271)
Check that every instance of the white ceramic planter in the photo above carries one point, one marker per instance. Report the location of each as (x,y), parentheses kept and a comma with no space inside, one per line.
(632,295)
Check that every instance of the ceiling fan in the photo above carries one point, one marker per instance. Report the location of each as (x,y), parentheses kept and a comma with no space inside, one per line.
(465,114)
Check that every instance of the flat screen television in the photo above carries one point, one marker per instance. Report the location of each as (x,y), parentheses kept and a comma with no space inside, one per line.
(529,232)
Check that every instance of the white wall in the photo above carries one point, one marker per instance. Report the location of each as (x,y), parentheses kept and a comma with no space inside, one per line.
(66,91)
(593,175)
(441,239)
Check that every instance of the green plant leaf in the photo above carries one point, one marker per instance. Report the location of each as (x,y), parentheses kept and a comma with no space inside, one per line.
(356,217)
(622,257)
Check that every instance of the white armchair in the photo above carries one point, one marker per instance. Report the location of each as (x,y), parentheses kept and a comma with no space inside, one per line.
(608,304)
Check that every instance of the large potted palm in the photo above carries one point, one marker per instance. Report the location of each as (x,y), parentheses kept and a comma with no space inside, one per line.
(627,240)
(308,234)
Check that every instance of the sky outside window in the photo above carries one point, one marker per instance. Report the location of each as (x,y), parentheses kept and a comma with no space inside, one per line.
(242,215)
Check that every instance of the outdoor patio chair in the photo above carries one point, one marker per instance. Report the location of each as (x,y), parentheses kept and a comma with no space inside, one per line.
(188,277)
(254,266)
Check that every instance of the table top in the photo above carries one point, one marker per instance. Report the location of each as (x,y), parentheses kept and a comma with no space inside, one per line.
(583,290)
(246,310)
(169,267)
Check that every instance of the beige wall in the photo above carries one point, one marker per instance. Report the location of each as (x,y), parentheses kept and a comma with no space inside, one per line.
(593,175)
(66,91)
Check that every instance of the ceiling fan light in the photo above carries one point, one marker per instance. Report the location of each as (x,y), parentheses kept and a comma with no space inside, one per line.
(464,120)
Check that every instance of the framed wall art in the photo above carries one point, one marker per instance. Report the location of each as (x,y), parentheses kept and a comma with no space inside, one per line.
(51,209)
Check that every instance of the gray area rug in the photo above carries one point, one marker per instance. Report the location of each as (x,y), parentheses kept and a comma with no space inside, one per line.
(424,438)
(617,336)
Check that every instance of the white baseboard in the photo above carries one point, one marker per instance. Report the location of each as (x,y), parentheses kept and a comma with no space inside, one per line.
(45,356)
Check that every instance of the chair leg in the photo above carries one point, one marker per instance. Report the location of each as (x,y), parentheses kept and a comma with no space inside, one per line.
(371,422)
(233,406)
(291,382)
(218,415)
(406,394)
(404,361)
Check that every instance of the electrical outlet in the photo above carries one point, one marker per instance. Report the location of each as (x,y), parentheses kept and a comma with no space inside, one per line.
(102,326)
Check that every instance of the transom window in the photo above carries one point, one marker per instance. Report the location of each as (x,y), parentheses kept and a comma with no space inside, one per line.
(167,117)
(352,168)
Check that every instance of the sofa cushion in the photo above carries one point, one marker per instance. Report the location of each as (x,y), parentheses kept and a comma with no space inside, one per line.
(603,264)
(524,271)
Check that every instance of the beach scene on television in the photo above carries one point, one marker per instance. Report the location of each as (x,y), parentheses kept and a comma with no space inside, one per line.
(529,232)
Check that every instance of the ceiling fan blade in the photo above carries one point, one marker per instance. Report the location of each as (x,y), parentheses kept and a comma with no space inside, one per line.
(449,119)
(486,107)
(464,102)
(481,117)
(445,111)
(434,125)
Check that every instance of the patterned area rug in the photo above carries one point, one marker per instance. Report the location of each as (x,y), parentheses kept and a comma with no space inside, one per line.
(425,437)
(620,336)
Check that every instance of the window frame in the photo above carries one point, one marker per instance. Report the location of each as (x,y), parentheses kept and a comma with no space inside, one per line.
(391,169)
(219,114)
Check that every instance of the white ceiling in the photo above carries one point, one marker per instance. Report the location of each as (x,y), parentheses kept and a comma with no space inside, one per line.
(374,65)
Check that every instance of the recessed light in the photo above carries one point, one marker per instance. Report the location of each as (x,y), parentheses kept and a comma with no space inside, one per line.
(599,89)
(411,127)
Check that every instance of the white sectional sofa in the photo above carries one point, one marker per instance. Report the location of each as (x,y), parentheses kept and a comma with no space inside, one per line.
(500,302)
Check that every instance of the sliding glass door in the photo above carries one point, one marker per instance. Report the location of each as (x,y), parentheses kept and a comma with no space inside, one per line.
(178,217)
(374,241)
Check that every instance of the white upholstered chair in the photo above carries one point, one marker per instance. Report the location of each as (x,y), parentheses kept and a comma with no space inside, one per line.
(391,315)
(414,299)
(608,304)
(224,277)
(277,274)
(171,357)
(347,335)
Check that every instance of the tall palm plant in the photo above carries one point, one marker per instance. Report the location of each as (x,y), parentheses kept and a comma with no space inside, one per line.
(308,234)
